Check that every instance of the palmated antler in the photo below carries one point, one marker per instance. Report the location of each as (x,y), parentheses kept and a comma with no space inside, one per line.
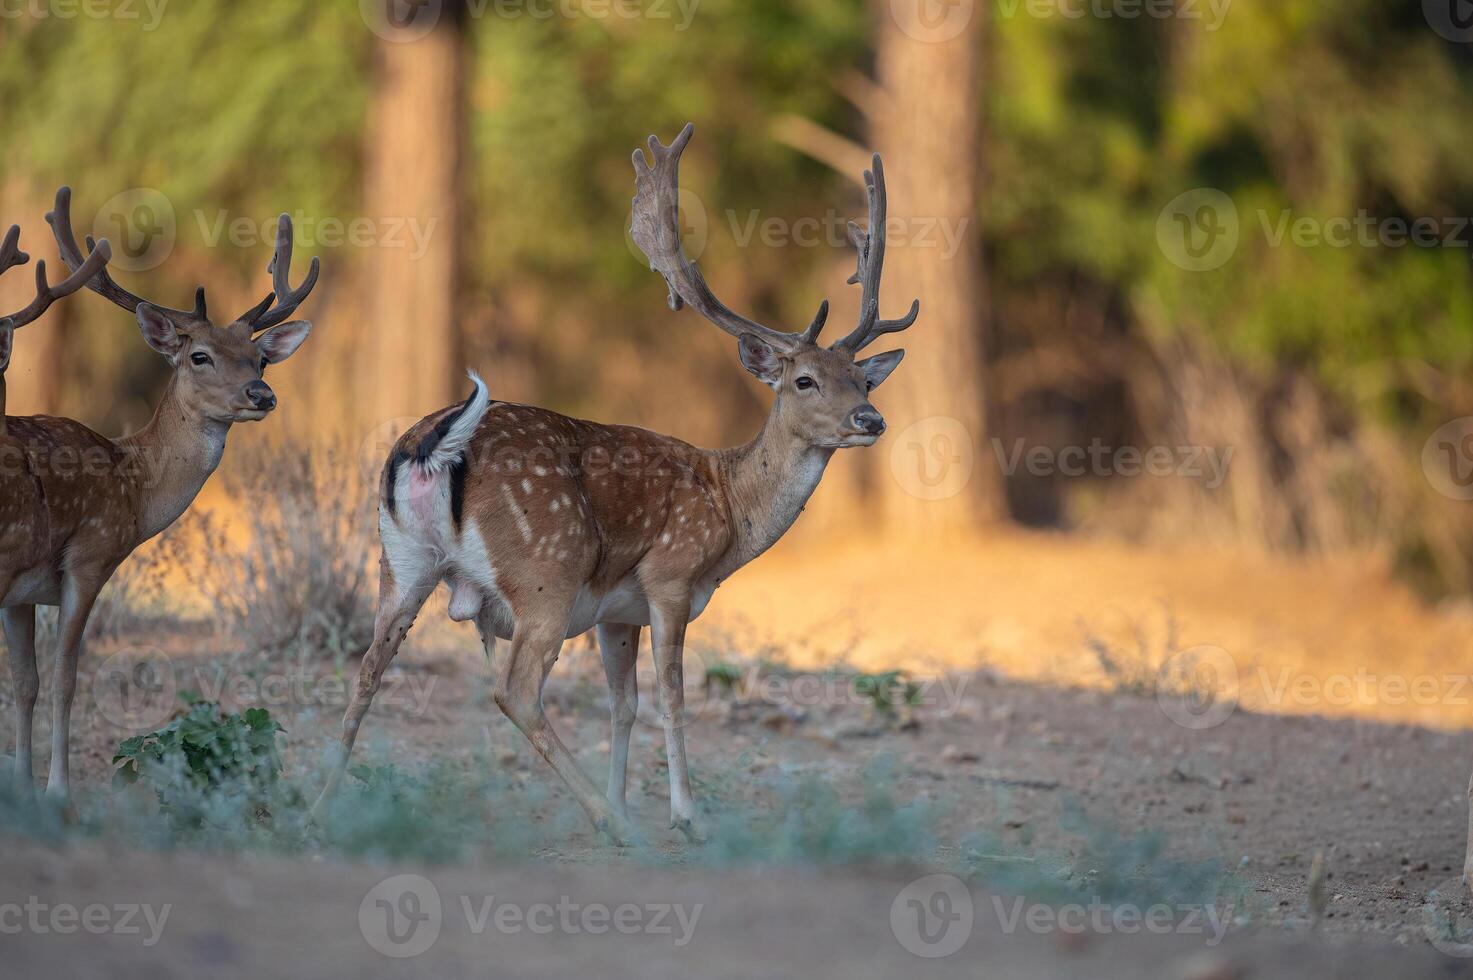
(46,294)
(871,245)
(655,225)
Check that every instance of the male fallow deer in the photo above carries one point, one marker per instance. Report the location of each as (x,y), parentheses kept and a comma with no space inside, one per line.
(545,526)
(23,521)
(105,497)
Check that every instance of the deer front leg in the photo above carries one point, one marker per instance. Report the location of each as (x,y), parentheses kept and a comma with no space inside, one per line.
(669,616)
(1468,860)
(619,647)
(79,593)
(534,648)
(20,641)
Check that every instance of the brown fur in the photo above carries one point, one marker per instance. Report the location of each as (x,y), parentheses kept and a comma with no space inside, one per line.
(544,526)
(102,498)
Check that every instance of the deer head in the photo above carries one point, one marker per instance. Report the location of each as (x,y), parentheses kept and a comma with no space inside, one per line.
(46,294)
(218,370)
(822,392)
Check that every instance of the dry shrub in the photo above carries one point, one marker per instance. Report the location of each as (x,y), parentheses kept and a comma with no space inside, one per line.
(299,585)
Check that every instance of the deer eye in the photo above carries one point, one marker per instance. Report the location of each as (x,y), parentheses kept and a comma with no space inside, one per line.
(805,382)
(200,357)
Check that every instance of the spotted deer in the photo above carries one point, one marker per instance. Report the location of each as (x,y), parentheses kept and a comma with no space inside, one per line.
(23,521)
(104,497)
(545,526)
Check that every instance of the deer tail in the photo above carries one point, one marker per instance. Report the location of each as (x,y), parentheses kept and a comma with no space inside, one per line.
(446,445)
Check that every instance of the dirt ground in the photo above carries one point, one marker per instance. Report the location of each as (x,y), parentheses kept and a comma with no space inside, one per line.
(1003,759)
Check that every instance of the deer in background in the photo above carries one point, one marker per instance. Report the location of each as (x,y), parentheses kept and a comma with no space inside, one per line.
(545,526)
(23,521)
(105,497)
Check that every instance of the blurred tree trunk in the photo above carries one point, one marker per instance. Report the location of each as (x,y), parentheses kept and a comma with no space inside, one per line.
(413,172)
(926,122)
(40,349)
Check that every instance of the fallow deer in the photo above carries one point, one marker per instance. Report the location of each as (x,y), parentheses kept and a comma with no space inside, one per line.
(23,522)
(105,497)
(545,526)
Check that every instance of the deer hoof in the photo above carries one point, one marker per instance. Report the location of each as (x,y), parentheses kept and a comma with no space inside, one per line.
(692,830)
(616,831)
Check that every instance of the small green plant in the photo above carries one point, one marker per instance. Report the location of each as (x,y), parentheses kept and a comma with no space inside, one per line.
(723,678)
(890,692)
(205,763)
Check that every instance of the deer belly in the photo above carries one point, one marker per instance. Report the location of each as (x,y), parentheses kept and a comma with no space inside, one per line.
(40,586)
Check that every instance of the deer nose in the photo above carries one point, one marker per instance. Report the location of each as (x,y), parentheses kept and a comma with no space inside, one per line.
(869,421)
(260,395)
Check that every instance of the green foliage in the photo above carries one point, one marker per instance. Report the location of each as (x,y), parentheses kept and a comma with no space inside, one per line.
(1292,107)
(202,754)
(723,678)
(888,691)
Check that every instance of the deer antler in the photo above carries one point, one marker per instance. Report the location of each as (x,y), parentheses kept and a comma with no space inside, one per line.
(264,316)
(656,229)
(46,294)
(871,245)
(60,220)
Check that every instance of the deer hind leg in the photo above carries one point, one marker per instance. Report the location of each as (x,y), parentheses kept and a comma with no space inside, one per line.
(79,592)
(535,644)
(399,604)
(619,647)
(20,641)
(669,619)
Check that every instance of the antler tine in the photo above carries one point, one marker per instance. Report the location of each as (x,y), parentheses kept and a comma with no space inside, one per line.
(60,220)
(655,226)
(10,253)
(264,316)
(871,246)
(46,294)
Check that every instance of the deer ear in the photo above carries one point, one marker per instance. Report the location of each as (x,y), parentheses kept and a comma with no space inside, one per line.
(876,369)
(7,334)
(159,331)
(279,343)
(759,357)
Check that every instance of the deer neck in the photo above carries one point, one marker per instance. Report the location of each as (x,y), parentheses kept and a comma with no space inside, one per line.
(172,458)
(769,481)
